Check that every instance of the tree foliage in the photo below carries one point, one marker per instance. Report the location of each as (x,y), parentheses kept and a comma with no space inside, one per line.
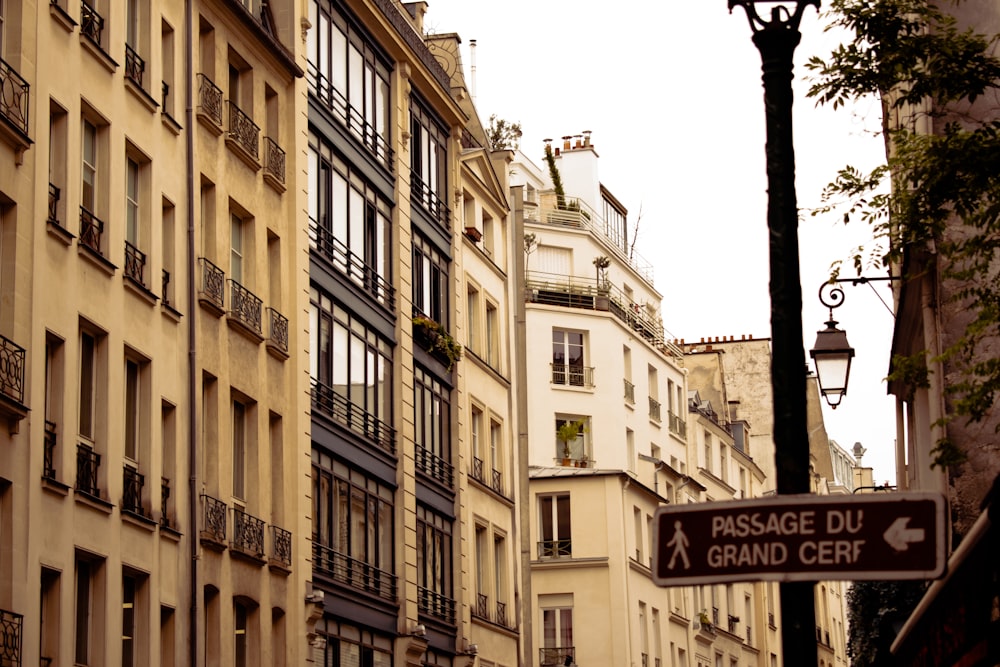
(938,191)
(875,612)
(502,134)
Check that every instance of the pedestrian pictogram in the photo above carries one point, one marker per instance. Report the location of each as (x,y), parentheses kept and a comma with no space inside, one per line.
(679,542)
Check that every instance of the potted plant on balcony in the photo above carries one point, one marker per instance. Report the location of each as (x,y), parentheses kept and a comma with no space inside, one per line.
(436,340)
(602,300)
(567,433)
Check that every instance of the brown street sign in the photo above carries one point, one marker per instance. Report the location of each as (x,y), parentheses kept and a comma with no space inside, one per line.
(800,538)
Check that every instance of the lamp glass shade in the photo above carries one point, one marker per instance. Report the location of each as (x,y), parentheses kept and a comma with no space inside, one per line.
(832,356)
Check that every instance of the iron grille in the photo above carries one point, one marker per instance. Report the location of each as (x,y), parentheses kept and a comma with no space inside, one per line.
(243,131)
(361,274)
(555,548)
(328,401)
(54,195)
(88,463)
(430,202)
(91,230)
(14,98)
(435,604)
(133,482)
(430,463)
(214,519)
(355,573)
(277,330)
(91,23)
(11,369)
(209,100)
(281,545)
(274,160)
(135,66)
(135,264)
(248,533)
(11,628)
(213,283)
(245,306)
(49,457)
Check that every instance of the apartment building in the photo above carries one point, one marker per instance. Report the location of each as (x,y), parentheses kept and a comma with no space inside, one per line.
(152,291)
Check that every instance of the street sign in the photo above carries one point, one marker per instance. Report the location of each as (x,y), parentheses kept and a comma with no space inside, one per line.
(800,538)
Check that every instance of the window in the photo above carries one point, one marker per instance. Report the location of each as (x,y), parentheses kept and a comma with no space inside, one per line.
(637,528)
(169,292)
(472,319)
(350,222)
(428,163)
(492,335)
(432,427)
(132,406)
(236,253)
(434,569)
(557,635)
(88,197)
(481,608)
(352,523)
(496,445)
(54,352)
(430,281)
(88,385)
(240,618)
(652,378)
(94,164)
(133,620)
(708,452)
(167,47)
(351,371)
(351,645)
(350,75)
(239,449)
(723,468)
(136,215)
(572,437)
(500,575)
(136,38)
(57,164)
(476,434)
(167,637)
(554,525)
(132,201)
(567,358)
(48,615)
(489,234)
(88,614)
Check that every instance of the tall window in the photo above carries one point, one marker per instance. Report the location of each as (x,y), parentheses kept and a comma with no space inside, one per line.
(434,569)
(129,587)
(238,232)
(241,617)
(500,571)
(432,427)
(428,162)
(492,335)
(555,539)
(88,384)
(567,358)
(88,610)
(348,644)
(476,434)
(88,196)
(239,449)
(132,201)
(430,281)
(472,319)
(132,406)
(557,630)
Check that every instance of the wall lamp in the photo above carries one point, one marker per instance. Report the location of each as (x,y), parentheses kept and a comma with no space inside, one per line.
(832,353)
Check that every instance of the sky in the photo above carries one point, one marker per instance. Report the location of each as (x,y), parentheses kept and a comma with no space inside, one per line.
(672,95)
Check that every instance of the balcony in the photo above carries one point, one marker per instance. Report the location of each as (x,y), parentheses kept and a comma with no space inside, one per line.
(135,264)
(654,409)
(134,66)
(164,502)
(248,534)
(555,656)
(422,194)
(482,609)
(12,375)
(573,375)
(501,617)
(629,392)
(351,266)
(434,466)
(209,104)
(733,621)
(281,547)
(435,604)
(91,231)
(354,573)
(165,289)
(243,136)
(277,332)
(245,309)
(91,23)
(274,164)
(54,196)
(14,103)
(749,636)
(715,616)
(497,482)
(88,464)
(11,629)
(328,402)
(436,340)
(677,425)
(212,290)
(213,523)
(49,453)
(133,481)
(555,548)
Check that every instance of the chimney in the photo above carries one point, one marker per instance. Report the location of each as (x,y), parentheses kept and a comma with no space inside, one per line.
(586,138)
(566,144)
(472,57)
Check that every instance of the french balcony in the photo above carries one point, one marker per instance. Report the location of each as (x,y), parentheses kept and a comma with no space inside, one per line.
(165,95)
(749,636)
(243,136)
(654,409)
(135,66)
(433,465)
(677,425)
(274,164)
(555,548)
(248,534)
(629,392)
(422,194)
(496,483)
(54,195)
(14,101)
(88,465)
(212,287)
(135,264)
(281,546)
(133,481)
(477,470)
(354,573)
(91,23)
(209,104)
(245,308)
(733,621)
(437,605)
(91,231)
(572,375)
(331,403)
(11,635)
(213,522)
(553,656)
(164,502)
(644,659)
(482,606)
(165,289)
(277,332)
(351,266)
(715,616)
(49,453)
(501,617)
(11,370)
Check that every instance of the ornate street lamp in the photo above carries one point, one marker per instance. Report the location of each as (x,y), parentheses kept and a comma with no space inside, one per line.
(832,355)
(776,39)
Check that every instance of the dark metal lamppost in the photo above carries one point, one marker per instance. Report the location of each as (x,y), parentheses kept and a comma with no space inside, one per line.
(832,353)
(776,39)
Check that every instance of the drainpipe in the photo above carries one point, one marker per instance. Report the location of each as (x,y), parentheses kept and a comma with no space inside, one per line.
(193,625)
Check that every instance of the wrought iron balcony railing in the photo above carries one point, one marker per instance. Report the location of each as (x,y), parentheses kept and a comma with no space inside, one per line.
(135,66)
(343,411)
(213,519)
(277,330)
(14,98)
(677,425)
(497,482)
(54,195)
(477,470)
(11,634)
(245,306)
(213,284)
(573,375)
(91,23)
(552,656)
(164,502)
(654,409)
(274,160)
(733,621)
(91,230)
(433,465)
(482,609)
(629,392)
(281,546)
(165,288)
(353,267)
(501,618)
(135,264)
(422,194)
(354,573)
(49,454)
(248,533)
(165,96)
(749,635)
(11,369)
(435,604)
(715,616)
(133,481)
(243,131)
(209,101)
(88,464)
(555,548)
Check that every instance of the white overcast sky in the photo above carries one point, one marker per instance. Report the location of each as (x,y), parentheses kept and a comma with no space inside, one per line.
(673,96)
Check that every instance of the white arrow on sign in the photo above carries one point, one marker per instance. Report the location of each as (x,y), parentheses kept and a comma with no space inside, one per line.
(899,537)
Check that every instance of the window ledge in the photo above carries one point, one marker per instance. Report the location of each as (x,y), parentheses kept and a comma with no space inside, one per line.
(140,94)
(210,123)
(17,139)
(170,533)
(62,18)
(276,184)
(99,53)
(237,325)
(170,123)
(99,504)
(276,351)
(140,290)
(210,305)
(278,567)
(249,556)
(97,258)
(242,154)
(139,520)
(170,311)
(60,233)
(54,486)
(209,541)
